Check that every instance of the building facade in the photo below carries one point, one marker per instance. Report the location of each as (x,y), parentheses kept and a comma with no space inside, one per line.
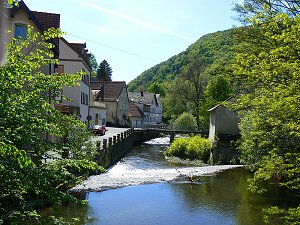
(114,95)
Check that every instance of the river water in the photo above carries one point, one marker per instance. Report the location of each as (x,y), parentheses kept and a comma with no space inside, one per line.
(145,189)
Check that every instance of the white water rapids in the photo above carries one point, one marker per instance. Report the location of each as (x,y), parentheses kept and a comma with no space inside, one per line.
(142,167)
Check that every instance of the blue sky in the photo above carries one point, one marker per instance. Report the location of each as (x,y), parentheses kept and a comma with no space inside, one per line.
(134,35)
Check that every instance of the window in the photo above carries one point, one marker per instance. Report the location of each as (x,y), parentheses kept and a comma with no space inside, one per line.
(59,70)
(20,31)
(84,98)
(85,78)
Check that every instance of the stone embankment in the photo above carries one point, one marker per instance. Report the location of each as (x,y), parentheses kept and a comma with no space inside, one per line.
(117,142)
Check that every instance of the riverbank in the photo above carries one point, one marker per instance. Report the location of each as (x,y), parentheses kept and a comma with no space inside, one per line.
(144,188)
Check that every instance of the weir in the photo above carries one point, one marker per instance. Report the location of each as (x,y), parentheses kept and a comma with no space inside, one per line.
(112,149)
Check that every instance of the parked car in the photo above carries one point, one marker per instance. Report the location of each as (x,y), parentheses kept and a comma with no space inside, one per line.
(98,129)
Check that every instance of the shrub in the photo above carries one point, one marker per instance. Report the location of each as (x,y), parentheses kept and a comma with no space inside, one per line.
(185,121)
(198,148)
(177,148)
(192,148)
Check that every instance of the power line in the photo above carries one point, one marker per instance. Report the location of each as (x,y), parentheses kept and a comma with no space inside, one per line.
(114,48)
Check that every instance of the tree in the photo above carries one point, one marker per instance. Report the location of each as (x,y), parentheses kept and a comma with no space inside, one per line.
(104,71)
(251,8)
(27,119)
(195,74)
(267,70)
(157,88)
(177,99)
(94,64)
(185,121)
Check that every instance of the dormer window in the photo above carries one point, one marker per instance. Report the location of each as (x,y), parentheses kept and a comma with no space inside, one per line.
(20,31)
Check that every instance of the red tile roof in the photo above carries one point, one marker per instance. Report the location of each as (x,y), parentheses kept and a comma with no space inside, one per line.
(47,20)
(111,89)
(134,111)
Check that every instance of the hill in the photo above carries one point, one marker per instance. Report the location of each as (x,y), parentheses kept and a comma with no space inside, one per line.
(213,48)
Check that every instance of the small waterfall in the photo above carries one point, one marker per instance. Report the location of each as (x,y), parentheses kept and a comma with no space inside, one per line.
(145,164)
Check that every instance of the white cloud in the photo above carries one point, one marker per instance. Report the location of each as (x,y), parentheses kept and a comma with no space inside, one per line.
(94,27)
(133,20)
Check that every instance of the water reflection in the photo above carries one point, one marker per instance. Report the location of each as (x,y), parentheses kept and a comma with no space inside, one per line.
(212,196)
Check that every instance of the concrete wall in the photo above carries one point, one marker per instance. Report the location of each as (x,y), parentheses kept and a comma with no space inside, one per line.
(101,115)
(222,122)
(111,112)
(113,149)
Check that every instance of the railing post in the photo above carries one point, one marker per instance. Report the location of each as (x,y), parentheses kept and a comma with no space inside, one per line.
(104,143)
(109,141)
(114,139)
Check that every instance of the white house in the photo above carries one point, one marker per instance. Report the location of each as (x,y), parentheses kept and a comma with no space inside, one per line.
(98,111)
(149,104)
(73,58)
(136,116)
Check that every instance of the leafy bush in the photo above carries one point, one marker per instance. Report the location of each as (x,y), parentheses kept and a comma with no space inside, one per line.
(185,121)
(195,147)
(198,148)
(178,148)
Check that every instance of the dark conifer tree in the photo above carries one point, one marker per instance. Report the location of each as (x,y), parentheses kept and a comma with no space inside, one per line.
(104,71)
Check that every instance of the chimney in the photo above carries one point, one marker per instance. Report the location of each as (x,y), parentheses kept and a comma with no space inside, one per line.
(102,93)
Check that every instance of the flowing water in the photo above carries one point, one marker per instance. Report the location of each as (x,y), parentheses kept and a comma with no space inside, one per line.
(144,188)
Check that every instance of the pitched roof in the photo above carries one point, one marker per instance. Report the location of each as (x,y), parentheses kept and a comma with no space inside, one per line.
(107,90)
(47,20)
(42,20)
(134,111)
(143,97)
(80,49)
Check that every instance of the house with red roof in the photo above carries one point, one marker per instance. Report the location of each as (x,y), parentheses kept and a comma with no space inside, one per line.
(14,22)
(114,95)
(73,57)
(136,115)
(149,104)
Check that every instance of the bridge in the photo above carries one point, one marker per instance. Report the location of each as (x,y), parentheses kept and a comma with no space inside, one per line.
(167,129)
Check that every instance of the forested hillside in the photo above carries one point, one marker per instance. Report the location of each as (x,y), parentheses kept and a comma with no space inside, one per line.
(213,48)
(194,80)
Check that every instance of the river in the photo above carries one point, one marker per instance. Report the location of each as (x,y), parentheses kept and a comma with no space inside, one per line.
(144,188)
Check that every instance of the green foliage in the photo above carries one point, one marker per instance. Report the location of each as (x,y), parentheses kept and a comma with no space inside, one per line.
(104,71)
(214,49)
(187,75)
(157,88)
(274,215)
(192,148)
(27,119)
(266,69)
(93,63)
(185,121)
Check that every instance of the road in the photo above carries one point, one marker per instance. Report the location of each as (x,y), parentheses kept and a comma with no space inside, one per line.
(111,131)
